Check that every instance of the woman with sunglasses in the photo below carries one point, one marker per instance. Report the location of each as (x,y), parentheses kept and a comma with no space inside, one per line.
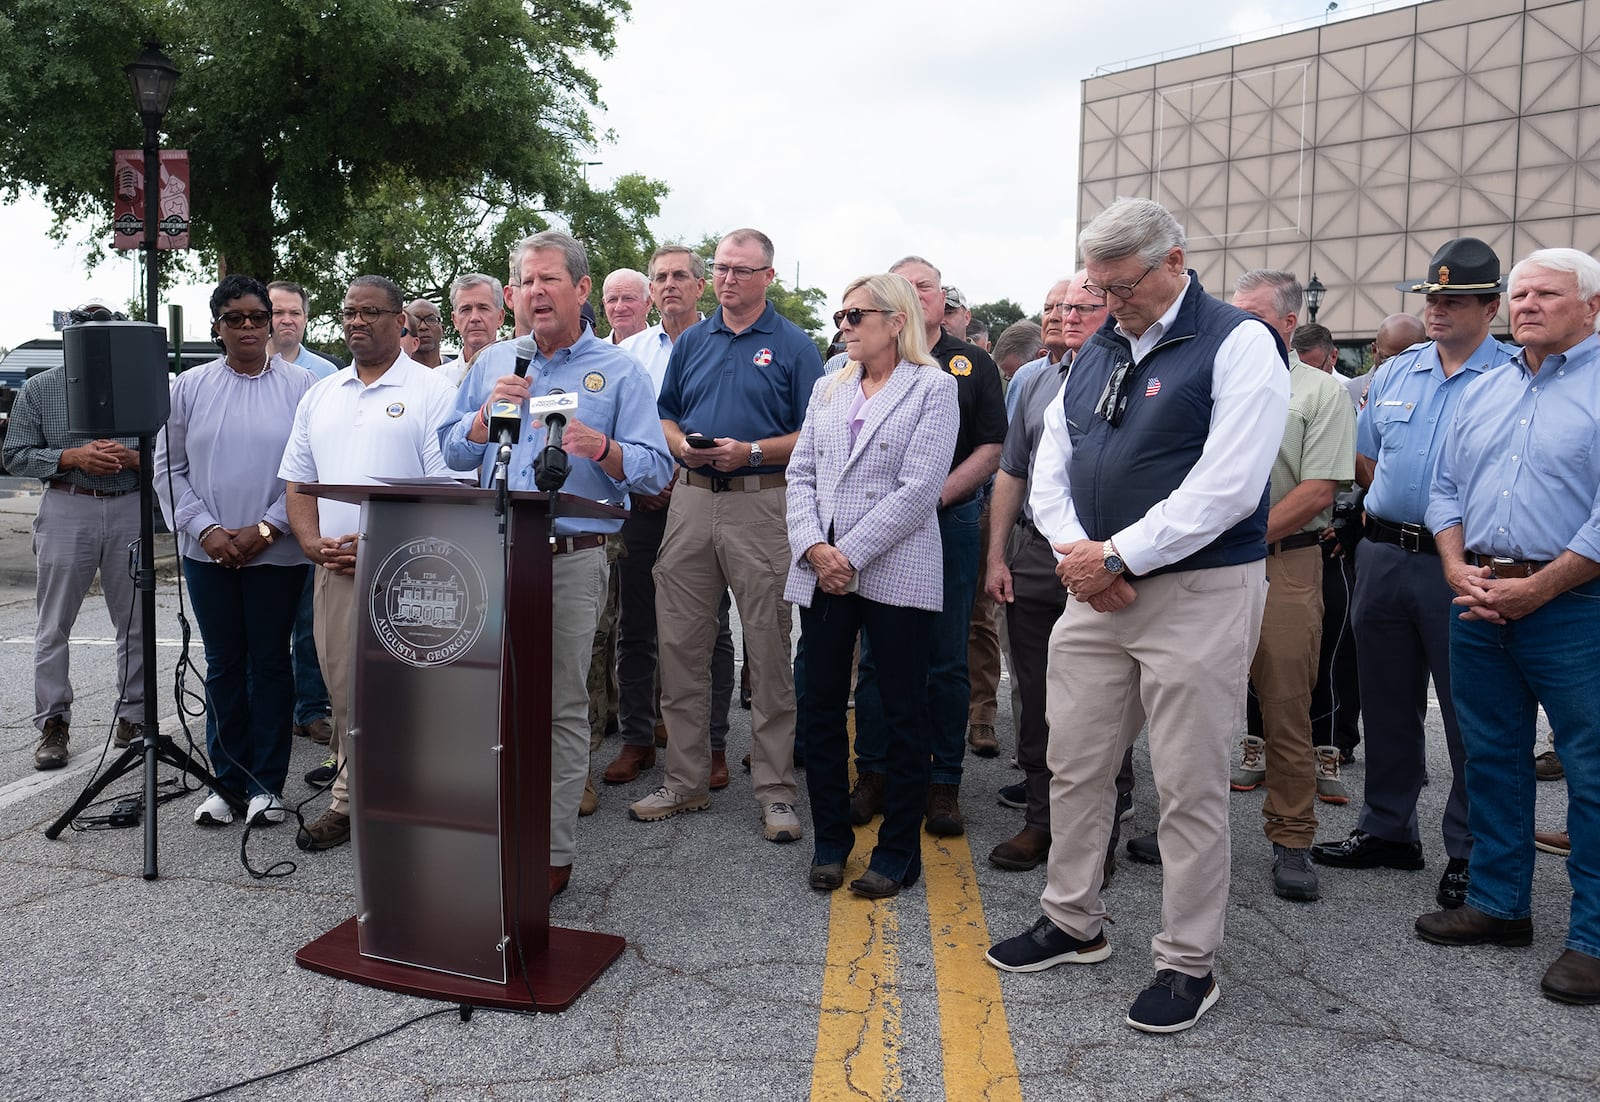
(215,475)
(864,483)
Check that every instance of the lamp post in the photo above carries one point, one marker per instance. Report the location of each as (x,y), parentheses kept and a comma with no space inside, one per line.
(152,77)
(1314,292)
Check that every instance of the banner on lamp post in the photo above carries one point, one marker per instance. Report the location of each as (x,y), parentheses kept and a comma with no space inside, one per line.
(172,203)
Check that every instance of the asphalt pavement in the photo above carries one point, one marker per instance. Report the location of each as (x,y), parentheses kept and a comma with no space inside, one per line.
(738,982)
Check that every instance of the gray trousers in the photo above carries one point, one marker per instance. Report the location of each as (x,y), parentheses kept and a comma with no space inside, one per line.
(74,536)
(1401,615)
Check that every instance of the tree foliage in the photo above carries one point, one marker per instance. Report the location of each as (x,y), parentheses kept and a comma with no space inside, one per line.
(417,138)
(998,315)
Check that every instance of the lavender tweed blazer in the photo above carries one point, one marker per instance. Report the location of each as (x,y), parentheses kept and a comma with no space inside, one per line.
(880,497)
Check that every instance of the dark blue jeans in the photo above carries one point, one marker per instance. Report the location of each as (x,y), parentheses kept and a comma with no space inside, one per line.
(246,617)
(1500,675)
(948,690)
(310,694)
(903,637)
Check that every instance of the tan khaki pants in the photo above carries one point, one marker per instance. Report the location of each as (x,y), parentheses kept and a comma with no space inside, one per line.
(713,542)
(1179,654)
(1284,673)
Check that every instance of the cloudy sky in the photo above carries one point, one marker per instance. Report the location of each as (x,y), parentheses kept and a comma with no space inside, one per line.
(853,134)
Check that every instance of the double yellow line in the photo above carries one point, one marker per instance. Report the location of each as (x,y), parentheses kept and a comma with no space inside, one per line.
(859,1035)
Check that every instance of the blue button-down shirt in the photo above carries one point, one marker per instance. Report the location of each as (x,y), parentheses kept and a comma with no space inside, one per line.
(614,397)
(1409,408)
(1519,470)
(1020,379)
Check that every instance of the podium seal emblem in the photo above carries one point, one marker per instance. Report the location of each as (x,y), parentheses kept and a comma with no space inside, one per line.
(428,602)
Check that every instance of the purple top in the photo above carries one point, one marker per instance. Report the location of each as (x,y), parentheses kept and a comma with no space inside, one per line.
(859,408)
(222,446)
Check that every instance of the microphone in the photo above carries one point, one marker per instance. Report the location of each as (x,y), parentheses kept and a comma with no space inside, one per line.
(505,418)
(552,467)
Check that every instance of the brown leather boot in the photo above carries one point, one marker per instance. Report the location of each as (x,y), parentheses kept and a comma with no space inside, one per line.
(719,769)
(1027,850)
(630,760)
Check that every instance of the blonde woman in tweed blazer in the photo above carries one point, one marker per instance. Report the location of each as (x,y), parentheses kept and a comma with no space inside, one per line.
(864,485)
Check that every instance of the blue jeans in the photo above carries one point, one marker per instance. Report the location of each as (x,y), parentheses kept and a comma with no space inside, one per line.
(949,690)
(828,629)
(310,693)
(1500,675)
(246,617)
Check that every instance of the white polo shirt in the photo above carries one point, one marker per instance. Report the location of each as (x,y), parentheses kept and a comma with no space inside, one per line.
(652,348)
(346,431)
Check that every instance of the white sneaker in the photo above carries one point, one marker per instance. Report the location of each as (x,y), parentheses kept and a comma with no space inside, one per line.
(214,812)
(265,810)
(781,823)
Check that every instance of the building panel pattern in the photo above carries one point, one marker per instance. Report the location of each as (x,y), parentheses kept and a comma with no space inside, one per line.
(1355,149)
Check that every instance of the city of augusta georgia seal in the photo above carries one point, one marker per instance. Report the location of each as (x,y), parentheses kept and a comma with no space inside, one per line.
(428,602)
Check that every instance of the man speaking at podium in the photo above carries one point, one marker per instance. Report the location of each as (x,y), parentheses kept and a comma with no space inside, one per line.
(614,447)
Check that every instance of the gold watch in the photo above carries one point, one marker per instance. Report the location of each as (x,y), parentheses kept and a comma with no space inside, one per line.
(266,531)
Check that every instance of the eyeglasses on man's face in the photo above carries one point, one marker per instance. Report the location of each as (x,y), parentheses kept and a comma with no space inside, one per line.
(1082,309)
(734,272)
(367,314)
(1124,291)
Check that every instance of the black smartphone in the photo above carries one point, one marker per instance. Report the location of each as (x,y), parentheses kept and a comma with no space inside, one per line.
(696,440)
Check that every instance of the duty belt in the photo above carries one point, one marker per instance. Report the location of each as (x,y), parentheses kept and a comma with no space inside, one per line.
(1409,537)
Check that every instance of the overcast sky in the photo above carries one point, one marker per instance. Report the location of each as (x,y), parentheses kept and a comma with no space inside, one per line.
(852,135)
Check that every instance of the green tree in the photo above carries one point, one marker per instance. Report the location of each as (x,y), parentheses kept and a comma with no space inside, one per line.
(314,129)
(997,315)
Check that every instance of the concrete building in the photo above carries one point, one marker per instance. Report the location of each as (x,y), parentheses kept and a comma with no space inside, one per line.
(1353,149)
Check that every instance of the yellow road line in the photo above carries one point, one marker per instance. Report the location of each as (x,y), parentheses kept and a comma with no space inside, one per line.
(858,1032)
(974,1038)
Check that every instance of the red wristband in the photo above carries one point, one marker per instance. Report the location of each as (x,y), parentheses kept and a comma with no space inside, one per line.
(600,457)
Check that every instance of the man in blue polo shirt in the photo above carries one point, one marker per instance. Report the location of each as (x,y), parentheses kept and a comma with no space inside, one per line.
(1514,505)
(731,405)
(1401,607)
(615,447)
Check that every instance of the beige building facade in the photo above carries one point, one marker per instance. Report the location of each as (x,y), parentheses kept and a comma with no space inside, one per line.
(1353,150)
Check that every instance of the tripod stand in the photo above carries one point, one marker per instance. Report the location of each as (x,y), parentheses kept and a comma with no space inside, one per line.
(154,746)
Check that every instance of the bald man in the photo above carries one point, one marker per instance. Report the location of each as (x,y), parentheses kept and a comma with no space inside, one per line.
(1396,333)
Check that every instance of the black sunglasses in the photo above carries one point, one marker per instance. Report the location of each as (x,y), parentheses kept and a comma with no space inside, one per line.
(1113,401)
(854,315)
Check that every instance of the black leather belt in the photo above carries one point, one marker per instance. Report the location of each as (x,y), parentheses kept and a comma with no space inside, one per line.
(560,545)
(1506,568)
(1295,542)
(738,483)
(73,488)
(1408,537)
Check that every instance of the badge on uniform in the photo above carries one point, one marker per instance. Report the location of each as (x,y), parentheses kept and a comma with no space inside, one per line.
(594,382)
(960,365)
(395,409)
(762,358)
(1152,388)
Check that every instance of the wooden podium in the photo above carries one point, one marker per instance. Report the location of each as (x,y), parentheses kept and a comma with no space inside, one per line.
(449,754)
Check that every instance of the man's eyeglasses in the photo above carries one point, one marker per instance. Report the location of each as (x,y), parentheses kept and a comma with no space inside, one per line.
(1124,291)
(854,315)
(1082,309)
(237,319)
(1113,401)
(364,313)
(734,272)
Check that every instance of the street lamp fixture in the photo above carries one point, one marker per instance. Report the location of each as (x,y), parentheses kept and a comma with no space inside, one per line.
(152,77)
(1314,293)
